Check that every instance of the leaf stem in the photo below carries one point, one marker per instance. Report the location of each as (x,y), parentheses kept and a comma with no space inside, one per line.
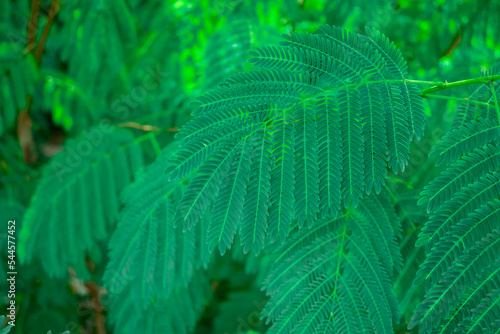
(422,82)
(396,180)
(446,85)
(155,144)
(463,99)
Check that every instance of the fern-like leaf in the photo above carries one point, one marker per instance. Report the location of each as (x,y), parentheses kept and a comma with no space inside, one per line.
(465,139)
(339,109)
(469,111)
(462,235)
(333,277)
(61,212)
(151,262)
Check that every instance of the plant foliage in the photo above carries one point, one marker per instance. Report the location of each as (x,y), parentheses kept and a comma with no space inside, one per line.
(324,117)
(267,166)
(462,236)
(337,276)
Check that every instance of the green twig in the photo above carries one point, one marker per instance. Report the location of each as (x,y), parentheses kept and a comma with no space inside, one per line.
(396,180)
(436,83)
(155,144)
(463,99)
(446,85)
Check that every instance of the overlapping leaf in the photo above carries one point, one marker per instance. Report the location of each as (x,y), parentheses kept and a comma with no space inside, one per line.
(336,276)
(462,236)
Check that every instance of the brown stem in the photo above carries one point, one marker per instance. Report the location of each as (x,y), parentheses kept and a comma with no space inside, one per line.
(146,127)
(453,44)
(32,25)
(24,134)
(99,319)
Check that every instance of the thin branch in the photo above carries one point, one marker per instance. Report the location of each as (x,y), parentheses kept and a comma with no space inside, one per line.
(32,25)
(446,85)
(155,145)
(462,99)
(454,43)
(24,123)
(139,126)
(94,294)
(146,127)
(24,135)
(423,82)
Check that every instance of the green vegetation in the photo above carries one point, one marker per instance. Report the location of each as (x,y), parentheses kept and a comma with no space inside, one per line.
(250,166)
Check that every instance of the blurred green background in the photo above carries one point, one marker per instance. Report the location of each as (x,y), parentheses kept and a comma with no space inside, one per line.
(68,65)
